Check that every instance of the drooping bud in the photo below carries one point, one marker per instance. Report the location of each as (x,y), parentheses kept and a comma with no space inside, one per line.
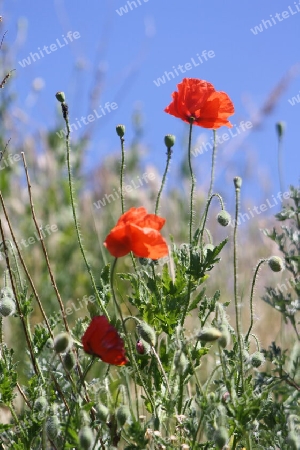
(60,96)
(220,437)
(120,129)
(237,182)
(276,263)
(147,333)
(209,334)
(62,342)
(86,438)
(223,218)
(52,427)
(122,415)
(7,307)
(103,412)
(142,347)
(257,359)
(69,361)
(170,140)
(224,340)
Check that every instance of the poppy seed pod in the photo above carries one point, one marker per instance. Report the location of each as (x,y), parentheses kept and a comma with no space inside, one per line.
(169,140)
(223,218)
(147,333)
(276,263)
(7,307)
(122,415)
(86,438)
(280,128)
(257,359)
(52,427)
(60,96)
(237,182)
(62,342)
(220,437)
(103,412)
(120,129)
(209,334)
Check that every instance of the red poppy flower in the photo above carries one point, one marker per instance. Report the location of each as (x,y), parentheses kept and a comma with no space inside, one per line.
(138,232)
(199,100)
(102,339)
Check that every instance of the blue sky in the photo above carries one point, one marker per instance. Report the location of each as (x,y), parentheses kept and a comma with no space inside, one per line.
(132,50)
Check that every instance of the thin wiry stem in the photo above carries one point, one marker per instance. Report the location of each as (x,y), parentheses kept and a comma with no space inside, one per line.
(25,268)
(53,282)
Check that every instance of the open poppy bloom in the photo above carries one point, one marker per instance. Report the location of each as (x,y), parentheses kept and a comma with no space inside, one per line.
(138,232)
(199,100)
(102,339)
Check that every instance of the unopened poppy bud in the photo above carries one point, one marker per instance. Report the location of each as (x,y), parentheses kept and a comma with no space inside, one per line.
(237,182)
(225,397)
(147,333)
(122,415)
(142,347)
(223,218)
(50,343)
(86,438)
(7,292)
(60,96)
(209,334)
(292,440)
(62,342)
(40,405)
(103,412)
(276,264)
(280,128)
(170,140)
(52,427)
(181,362)
(220,437)
(225,338)
(257,359)
(120,129)
(7,307)
(69,361)
(208,247)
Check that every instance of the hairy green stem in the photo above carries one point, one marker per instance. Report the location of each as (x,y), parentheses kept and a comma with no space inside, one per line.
(71,190)
(122,173)
(235,265)
(193,181)
(213,160)
(169,154)
(251,297)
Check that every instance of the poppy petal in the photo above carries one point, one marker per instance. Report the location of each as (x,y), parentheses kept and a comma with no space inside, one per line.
(199,100)
(118,242)
(102,339)
(147,243)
